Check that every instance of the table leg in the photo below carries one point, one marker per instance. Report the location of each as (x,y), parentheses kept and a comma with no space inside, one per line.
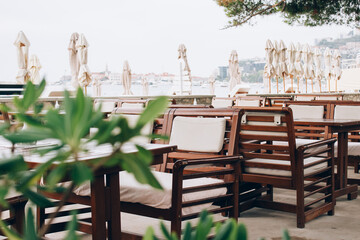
(114,230)
(342,160)
(98,219)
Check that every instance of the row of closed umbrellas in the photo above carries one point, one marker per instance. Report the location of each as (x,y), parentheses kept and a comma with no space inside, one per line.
(301,62)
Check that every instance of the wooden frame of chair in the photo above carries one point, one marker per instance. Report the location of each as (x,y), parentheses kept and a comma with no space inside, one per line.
(174,213)
(230,139)
(292,168)
(17,213)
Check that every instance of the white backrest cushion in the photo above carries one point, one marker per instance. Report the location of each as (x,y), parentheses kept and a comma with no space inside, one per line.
(106,106)
(248,103)
(132,105)
(198,134)
(147,129)
(222,103)
(306,111)
(347,112)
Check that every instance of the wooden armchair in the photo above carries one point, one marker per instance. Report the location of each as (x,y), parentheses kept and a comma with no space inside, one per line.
(16,215)
(200,133)
(308,169)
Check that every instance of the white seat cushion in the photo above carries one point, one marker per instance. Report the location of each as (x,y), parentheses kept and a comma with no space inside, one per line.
(198,134)
(132,105)
(135,192)
(301,141)
(106,106)
(147,129)
(353,148)
(248,103)
(306,111)
(283,173)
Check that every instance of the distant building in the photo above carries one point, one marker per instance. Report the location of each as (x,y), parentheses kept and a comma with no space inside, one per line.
(223,72)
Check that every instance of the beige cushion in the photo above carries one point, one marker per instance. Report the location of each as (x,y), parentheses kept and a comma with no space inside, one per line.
(222,103)
(248,103)
(106,106)
(301,141)
(347,112)
(198,134)
(353,148)
(135,192)
(283,173)
(132,105)
(147,129)
(306,111)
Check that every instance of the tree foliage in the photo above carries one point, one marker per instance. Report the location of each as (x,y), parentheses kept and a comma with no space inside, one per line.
(303,12)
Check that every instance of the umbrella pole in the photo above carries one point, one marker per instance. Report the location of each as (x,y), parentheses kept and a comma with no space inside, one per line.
(312,85)
(336,85)
(85,91)
(306,85)
(277,85)
(329,84)
(269,84)
(284,84)
(298,83)
(320,84)
(292,83)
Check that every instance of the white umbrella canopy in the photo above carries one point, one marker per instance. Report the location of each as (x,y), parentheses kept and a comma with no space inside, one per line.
(34,69)
(126,78)
(291,63)
(327,62)
(269,68)
(145,85)
(282,62)
(182,56)
(84,77)
(318,70)
(22,45)
(73,59)
(234,70)
(212,80)
(336,71)
(276,64)
(298,65)
(308,69)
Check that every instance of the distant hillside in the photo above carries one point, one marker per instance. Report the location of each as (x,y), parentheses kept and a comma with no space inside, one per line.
(337,43)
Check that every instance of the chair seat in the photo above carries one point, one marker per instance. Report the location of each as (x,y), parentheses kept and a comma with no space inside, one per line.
(353,148)
(282,173)
(135,192)
(301,142)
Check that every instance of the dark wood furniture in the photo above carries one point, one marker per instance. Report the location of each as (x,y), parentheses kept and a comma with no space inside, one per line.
(228,200)
(342,128)
(229,139)
(267,143)
(16,213)
(104,200)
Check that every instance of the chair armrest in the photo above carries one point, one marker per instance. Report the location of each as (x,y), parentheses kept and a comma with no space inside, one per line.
(316,144)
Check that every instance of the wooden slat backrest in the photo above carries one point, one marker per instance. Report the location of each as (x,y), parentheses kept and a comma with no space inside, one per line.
(255,101)
(312,131)
(273,101)
(268,134)
(230,137)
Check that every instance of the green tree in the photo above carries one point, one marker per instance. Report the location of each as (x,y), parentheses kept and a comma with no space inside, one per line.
(303,12)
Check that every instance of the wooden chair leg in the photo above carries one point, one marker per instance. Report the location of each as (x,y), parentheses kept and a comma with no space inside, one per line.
(19,213)
(300,205)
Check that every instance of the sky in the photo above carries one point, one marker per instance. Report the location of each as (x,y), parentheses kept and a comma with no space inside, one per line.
(147,33)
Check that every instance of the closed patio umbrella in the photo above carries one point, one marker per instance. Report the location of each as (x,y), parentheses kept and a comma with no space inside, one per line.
(34,69)
(145,85)
(22,45)
(126,78)
(298,65)
(234,70)
(282,62)
(336,71)
(73,60)
(318,70)
(291,64)
(269,68)
(96,87)
(182,56)
(308,69)
(212,80)
(328,65)
(84,77)
(276,64)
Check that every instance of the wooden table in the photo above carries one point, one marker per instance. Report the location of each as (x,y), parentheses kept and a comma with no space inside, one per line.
(105,196)
(342,127)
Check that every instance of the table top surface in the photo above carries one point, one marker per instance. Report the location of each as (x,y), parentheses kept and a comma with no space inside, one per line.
(328,122)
